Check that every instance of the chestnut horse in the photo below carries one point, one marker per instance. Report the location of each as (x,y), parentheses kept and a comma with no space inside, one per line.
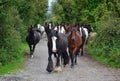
(74,44)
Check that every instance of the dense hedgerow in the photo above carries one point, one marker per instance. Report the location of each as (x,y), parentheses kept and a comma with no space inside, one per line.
(107,41)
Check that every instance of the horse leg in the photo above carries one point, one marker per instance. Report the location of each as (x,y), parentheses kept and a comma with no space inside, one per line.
(82,51)
(58,61)
(50,62)
(75,59)
(72,59)
(58,68)
(65,58)
(32,50)
(34,47)
(42,34)
(30,46)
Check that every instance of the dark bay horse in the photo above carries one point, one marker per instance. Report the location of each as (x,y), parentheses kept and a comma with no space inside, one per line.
(33,38)
(57,46)
(74,44)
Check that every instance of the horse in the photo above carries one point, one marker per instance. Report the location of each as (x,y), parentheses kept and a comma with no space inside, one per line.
(41,29)
(57,46)
(32,38)
(89,28)
(60,28)
(74,44)
(85,30)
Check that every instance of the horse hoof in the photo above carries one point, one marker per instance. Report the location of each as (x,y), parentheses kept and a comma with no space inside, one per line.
(49,70)
(72,66)
(66,65)
(57,69)
(50,66)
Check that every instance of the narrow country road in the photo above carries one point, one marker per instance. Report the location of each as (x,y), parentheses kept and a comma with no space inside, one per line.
(87,69)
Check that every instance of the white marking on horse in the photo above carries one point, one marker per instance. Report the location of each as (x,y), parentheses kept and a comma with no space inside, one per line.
(62,30)
(38,25)
(54,49)
(80,30)
(50,26)
(42,29)
(55,28)
(86,32)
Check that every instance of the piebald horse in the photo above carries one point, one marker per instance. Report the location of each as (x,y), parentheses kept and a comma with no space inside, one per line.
(57,46)
(60,28)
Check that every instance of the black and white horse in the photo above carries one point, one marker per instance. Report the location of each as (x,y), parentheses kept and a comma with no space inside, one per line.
(60,28)
(85,31)
(57,46)
(41,29)
(33,38)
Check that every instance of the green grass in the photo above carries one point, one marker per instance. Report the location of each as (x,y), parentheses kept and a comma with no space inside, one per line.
(16,65)
(95,53)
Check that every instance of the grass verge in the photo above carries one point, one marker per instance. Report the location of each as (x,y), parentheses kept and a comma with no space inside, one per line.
(95,53)
(16,65)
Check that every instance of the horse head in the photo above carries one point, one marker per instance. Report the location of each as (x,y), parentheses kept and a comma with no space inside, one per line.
(73,32)
(54,38)
(30,29)
(89,28)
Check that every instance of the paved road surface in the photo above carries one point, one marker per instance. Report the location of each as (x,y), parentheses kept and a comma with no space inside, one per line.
(86,70)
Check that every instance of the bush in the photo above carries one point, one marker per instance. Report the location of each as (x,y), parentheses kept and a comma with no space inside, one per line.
(108,40)
(10,47)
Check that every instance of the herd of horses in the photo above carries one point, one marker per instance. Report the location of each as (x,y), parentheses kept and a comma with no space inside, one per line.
(64,41)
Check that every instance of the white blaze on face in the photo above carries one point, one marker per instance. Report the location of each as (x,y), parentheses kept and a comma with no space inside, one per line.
(55,28)
(62,30)
(54,44)
(50,26)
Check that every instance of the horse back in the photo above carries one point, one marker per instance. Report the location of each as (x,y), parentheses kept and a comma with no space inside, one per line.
(33,39)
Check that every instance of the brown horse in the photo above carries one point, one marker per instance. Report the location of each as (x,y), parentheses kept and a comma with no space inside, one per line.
(74,44)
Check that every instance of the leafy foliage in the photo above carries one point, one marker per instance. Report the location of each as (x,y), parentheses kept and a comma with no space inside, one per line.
(15,17)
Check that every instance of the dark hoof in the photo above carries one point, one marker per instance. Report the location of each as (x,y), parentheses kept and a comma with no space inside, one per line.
(75,63)
(49,70)
(72,66)
(50,67)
